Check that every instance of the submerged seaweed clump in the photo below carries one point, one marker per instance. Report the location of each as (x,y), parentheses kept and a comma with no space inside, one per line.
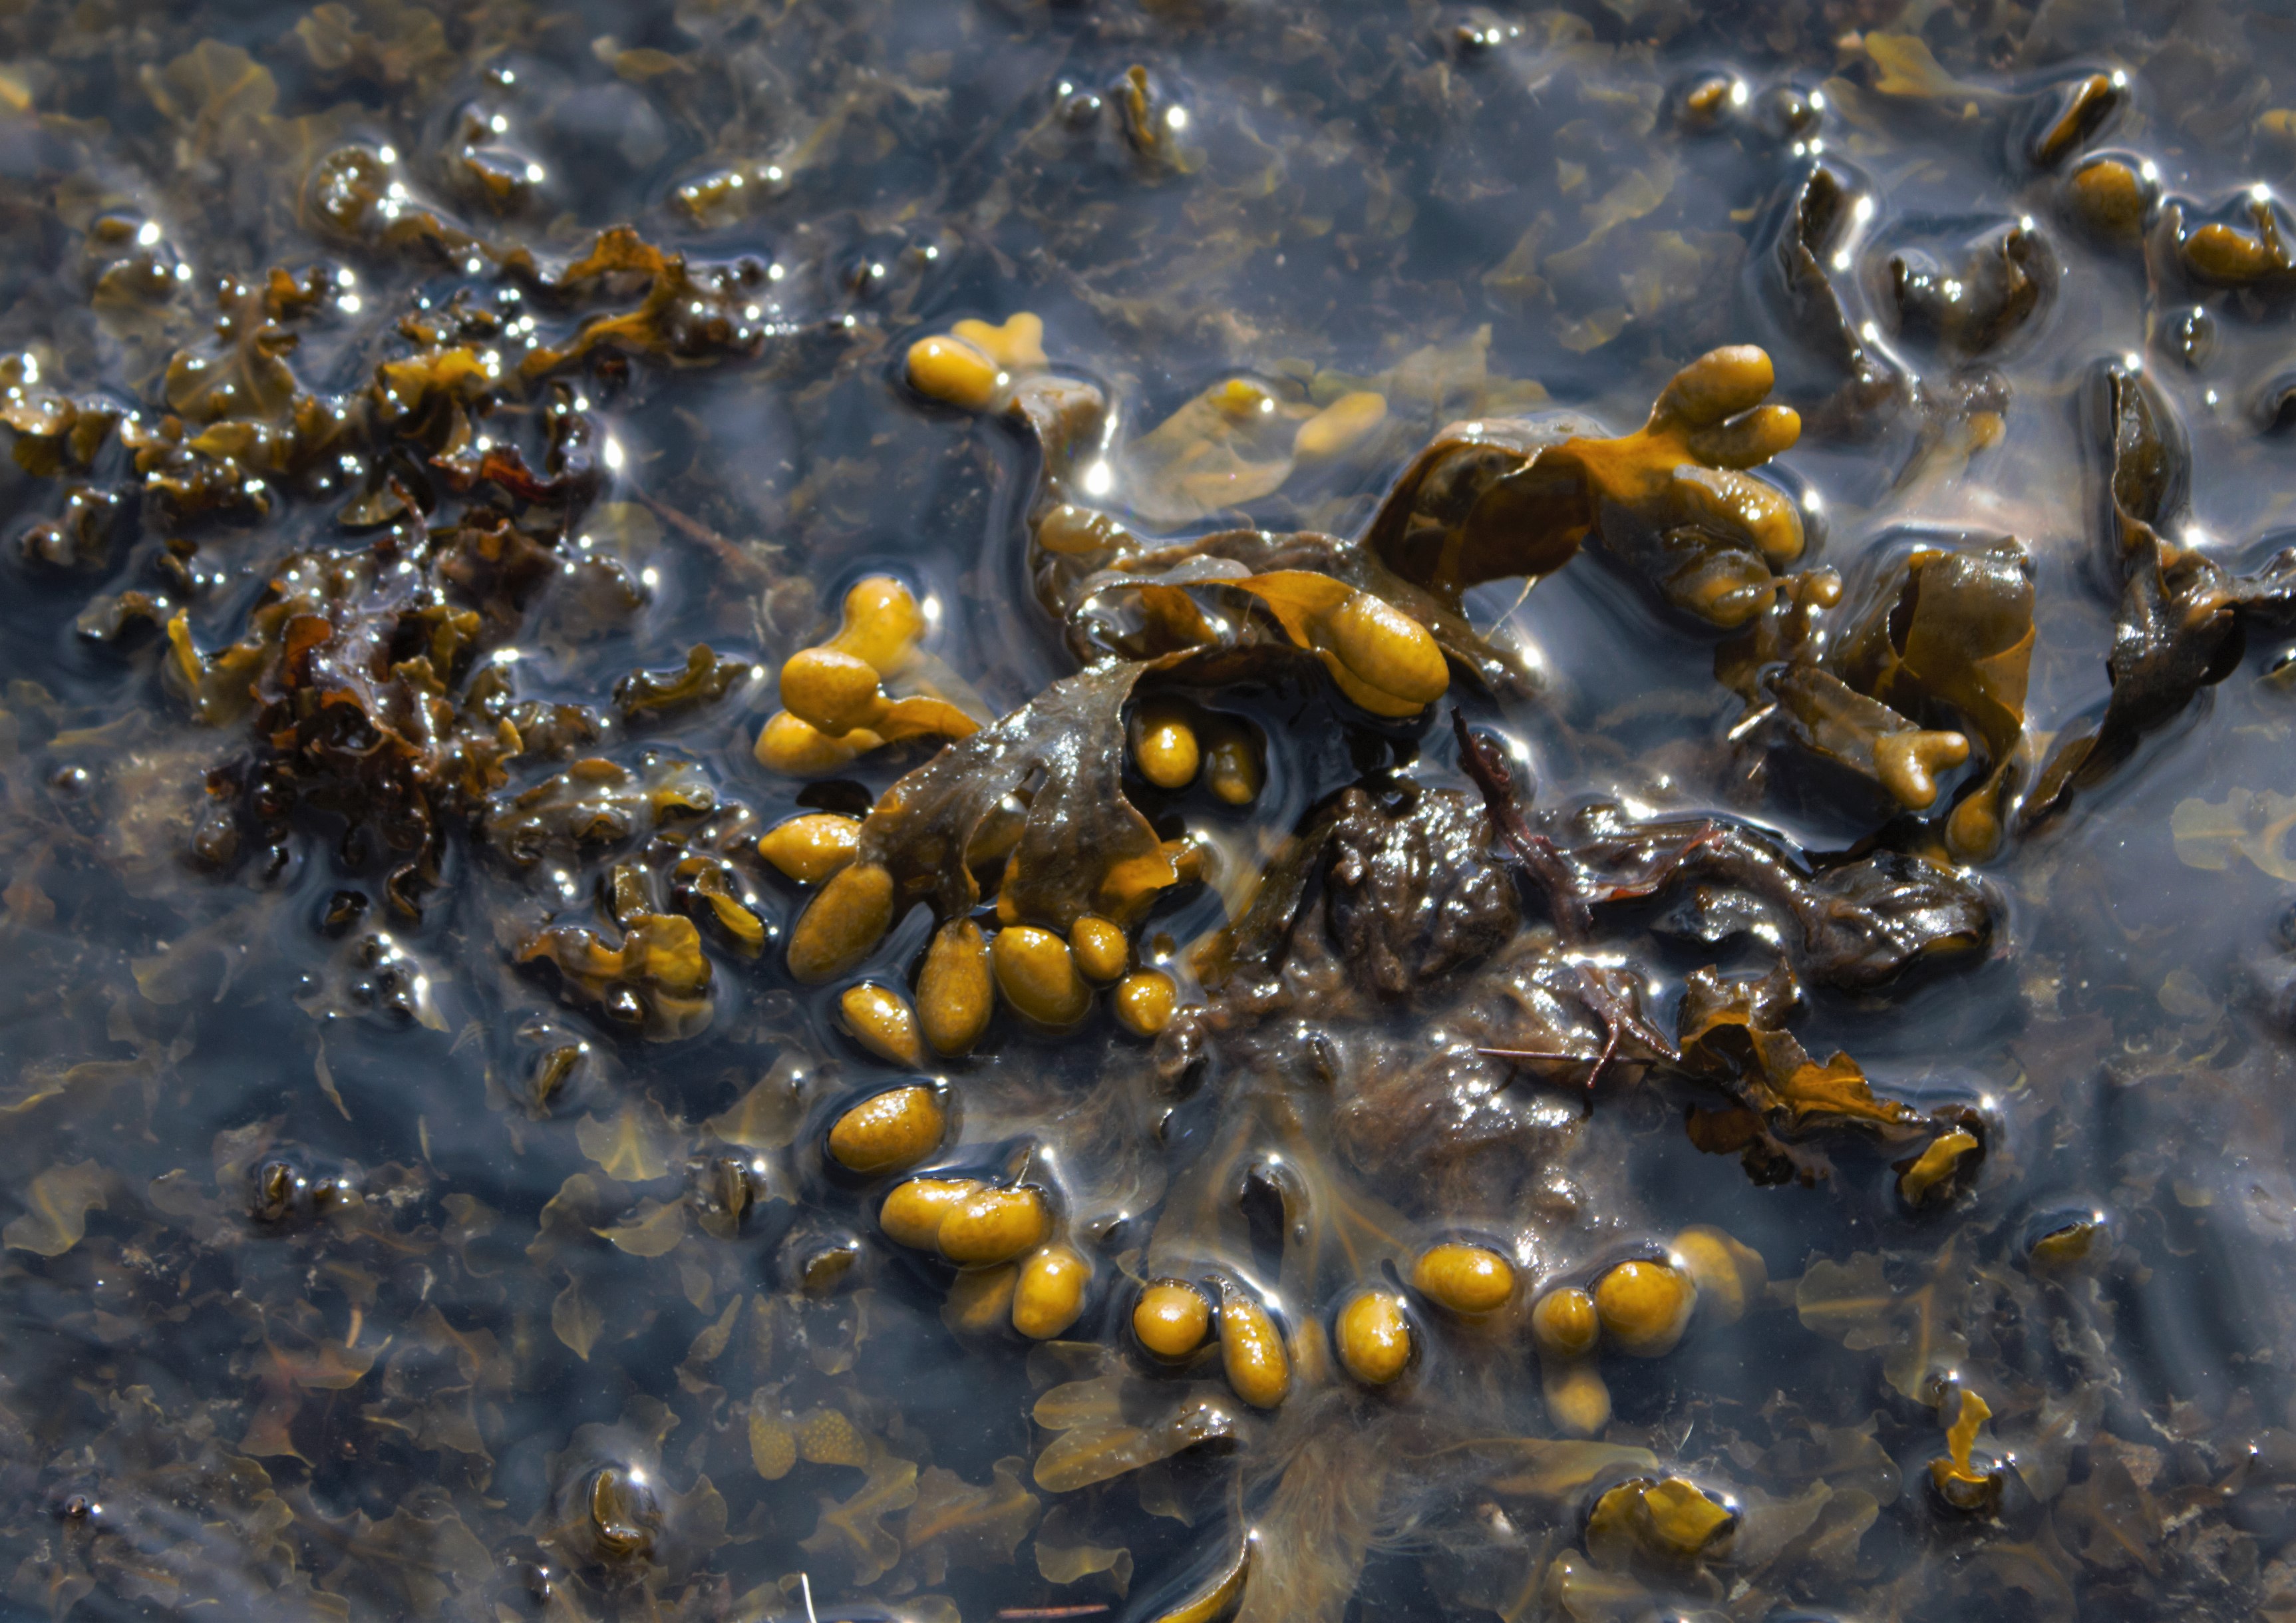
(868,812)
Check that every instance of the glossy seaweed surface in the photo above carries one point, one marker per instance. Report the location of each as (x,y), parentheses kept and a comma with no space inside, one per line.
(1156,810)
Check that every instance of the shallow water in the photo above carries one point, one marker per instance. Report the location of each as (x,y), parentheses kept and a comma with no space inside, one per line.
(379,1243)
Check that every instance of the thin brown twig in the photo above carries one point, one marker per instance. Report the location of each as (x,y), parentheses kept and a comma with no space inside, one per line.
(728,553)
(1587,1089)
(1597,1063)
(1606,1010)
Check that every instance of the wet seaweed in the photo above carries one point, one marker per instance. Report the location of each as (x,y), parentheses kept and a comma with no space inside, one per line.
(907,813)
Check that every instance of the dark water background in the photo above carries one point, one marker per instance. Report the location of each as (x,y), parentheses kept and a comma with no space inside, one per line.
(366,1403)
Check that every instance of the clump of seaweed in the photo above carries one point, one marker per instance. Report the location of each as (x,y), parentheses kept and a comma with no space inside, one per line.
(694,1065)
